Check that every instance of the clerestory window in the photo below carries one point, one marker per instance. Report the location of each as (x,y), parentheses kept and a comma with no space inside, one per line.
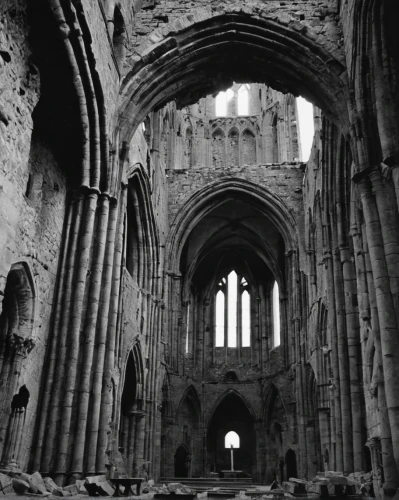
(243,100)
(233,312)
(276,315)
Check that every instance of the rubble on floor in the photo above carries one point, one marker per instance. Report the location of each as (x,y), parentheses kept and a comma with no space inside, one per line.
(12,481)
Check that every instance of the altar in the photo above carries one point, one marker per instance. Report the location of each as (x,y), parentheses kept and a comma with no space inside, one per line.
(231,474)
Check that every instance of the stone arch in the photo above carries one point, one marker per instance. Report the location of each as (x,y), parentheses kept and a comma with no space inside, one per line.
(141,235)
(294,63)
(206,199)
(229,392)
(131,405)
(190,394)
(188,432)
(16,342)
(231,412)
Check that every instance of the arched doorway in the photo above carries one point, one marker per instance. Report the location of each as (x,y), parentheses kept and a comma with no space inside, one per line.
(231,415)
(182,461)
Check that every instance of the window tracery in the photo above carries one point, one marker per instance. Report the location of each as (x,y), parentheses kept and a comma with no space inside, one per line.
(232,312)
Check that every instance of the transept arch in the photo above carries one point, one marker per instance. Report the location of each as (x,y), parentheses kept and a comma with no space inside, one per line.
(322,71)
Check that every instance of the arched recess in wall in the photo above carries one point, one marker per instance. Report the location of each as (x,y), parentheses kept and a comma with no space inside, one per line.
(167,421)
(274,141)
(164,146)
(248,147)
(233,148)
(312,403)
(275,422)
(218,149)
(16,342)
(188,148)
(119,37)
(220,229)
(189,435)
(131,413)
(231,412)
(141,237)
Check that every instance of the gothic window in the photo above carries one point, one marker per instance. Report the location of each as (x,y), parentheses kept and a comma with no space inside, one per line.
(221,102)
(220,314)
(232,312)
(131,230)
(276,315)
(243,100)
(245,319)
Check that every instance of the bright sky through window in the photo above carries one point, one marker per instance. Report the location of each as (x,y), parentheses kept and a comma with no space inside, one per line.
(232,308)
(232,438)
(219,319)
(245,321)
(276,315)
(306,126)
(243,100)
(221,102)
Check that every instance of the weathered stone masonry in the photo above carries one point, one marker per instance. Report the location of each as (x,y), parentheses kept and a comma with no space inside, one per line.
(125,201)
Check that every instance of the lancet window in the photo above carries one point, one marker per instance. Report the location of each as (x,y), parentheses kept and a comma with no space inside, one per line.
(276,315)
(233,312)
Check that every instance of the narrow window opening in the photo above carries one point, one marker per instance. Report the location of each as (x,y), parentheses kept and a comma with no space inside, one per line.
(221,102)
(188,326)
(219,341)
(306,126)
(232,309)
(245,319)
(243,100)
(276,315)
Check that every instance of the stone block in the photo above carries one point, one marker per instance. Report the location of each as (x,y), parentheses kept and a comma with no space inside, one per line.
(36,481)
(95,479)
(72,488)
(105,488)
(5,484)
(52,488)
(20,486)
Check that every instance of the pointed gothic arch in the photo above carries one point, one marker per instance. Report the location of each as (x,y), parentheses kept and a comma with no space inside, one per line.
(141,235)
(16,342)
(231,412)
